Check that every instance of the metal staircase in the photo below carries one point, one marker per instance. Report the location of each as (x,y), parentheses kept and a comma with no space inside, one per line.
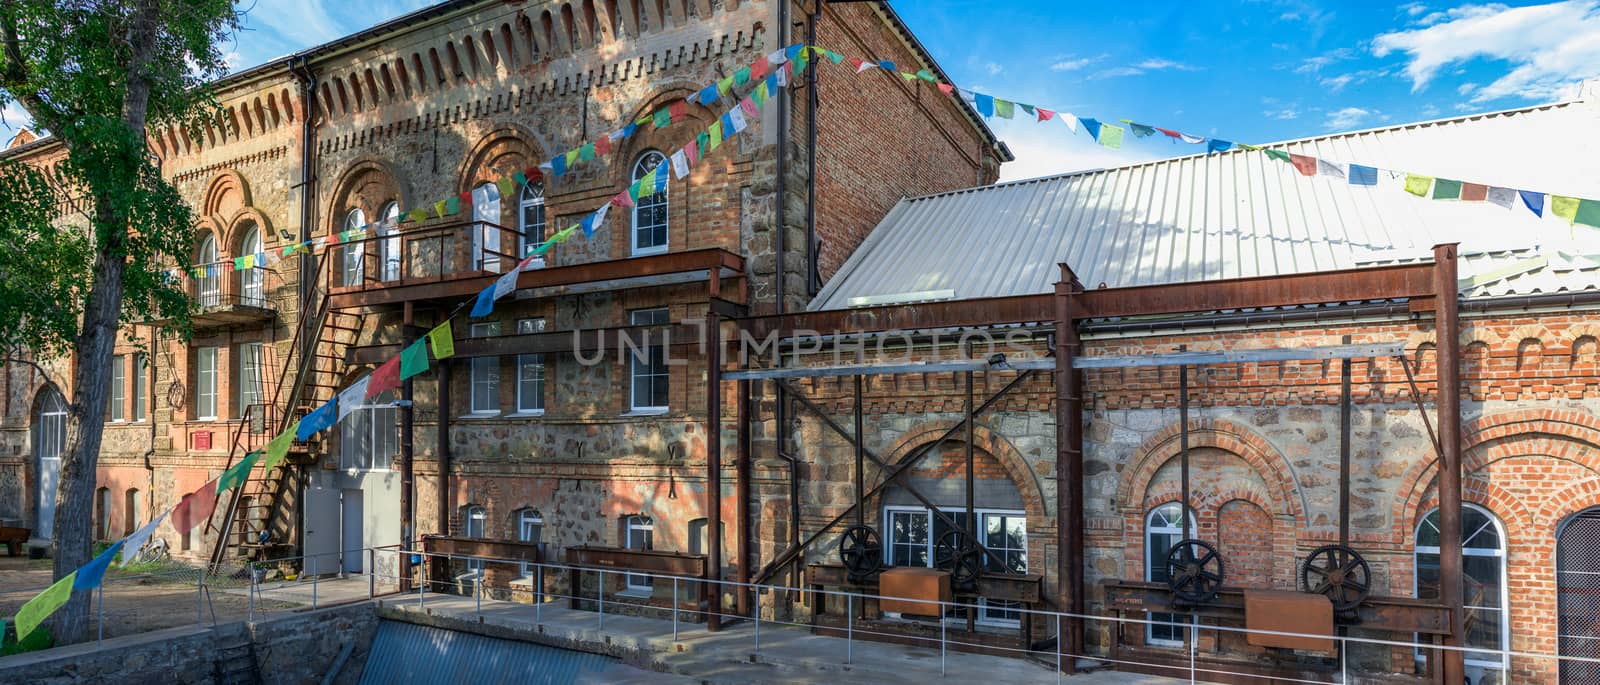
(259,518)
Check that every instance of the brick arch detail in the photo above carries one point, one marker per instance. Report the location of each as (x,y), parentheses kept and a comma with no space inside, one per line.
(1513,513)
(1562,504)
(667,140)
(1487,439)
(339,201)
(476,166)
(992,443)
(235,232)
(1224,435)
(225,182)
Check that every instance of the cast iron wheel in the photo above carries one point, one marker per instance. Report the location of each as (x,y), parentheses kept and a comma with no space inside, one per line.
(1194,571)
(861,552)
(1339,573)
(961,555)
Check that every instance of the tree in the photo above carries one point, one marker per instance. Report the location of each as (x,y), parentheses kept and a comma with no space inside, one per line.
(83,250)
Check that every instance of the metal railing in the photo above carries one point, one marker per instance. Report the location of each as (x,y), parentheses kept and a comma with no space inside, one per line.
(424,253)
(220,284)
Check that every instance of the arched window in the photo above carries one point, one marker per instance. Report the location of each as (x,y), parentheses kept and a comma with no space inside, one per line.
(351,271)
(1577,581)
(102,514)
(251,291)
(1163,529)
(639,533)
(650,213)
(530,529)
(210,286)
(473,521)
(389,247)
(486,229)
(132,518)
(530,216)
(1483,565)
(49,434)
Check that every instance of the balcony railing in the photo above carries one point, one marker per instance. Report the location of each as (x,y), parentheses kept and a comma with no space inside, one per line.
(225,295)
(427,253)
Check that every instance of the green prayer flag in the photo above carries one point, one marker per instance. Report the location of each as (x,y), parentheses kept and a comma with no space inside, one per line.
(419,215)
(1279,155)
(911,77)
(414,359)
(1418,185)
(1446,189)
(716,134)
(663,117)
(1004,109)
(647,183)
(725,85)
(238,263)
(443,341)
(798,63)
(43,604)
(1588,213)
(572,158)
(1564,207)
(237,474)
(520,178)
(760,95)
(633,190)
(926,75)
(278,447)
(741,76)
(452,205)
(507,186)
(586,153)
(1110,135)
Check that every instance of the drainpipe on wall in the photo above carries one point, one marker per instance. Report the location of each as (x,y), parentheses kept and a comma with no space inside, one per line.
(812,284)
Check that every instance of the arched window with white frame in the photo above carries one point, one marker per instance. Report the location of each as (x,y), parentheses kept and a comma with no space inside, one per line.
(639,533)
(209,288)
(1483,566)
(650,213)
(389,248)
(251,281)
(486,227)
(351,269)
(474,525)
(1164,528)
(530,529)
(530,216)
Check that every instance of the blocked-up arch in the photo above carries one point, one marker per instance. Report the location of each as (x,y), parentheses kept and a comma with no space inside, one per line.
(1225,435)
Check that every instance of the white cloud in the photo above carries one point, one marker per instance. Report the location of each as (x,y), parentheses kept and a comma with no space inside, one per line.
(1348,117)
(1312,65)
(1284,114)
(1147,64)
(1337,83)
(12,119)
(1050,148)
(1074,64)
(1551,47)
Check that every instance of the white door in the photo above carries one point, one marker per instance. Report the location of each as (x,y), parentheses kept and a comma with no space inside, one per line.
(323,528)
(350,539)
(50,432)
(486,230)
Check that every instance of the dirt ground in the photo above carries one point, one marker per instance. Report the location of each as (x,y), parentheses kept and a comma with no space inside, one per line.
(135,604)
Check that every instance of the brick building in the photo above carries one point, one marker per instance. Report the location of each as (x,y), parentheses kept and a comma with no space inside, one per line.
(542,446)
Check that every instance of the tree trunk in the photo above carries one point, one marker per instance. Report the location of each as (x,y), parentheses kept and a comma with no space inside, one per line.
(92,352)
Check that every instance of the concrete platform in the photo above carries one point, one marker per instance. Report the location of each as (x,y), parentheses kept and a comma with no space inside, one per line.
(786,654)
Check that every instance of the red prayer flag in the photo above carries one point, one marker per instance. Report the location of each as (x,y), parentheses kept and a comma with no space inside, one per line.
(1306,165)
(947,89)
(679,109)
(1473,192)
(333,239)
(760,69)
(602,145)
(622,200)
(466,198)
(533,173)
(195,508)
(1044,114)
(1170,133)
(691,152)
(385,377)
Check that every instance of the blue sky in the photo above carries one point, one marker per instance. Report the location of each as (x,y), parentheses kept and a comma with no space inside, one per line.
(1250,71)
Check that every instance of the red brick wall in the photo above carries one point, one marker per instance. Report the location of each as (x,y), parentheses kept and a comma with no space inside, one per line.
(1244,536)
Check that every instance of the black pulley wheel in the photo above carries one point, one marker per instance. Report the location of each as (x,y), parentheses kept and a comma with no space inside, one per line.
(1194,571)
(861,552)
(960,554)
(1340,574)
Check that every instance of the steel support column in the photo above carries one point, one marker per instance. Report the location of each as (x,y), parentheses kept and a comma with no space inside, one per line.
(713,503)
(1447,330)
(742,493)
(1069,466)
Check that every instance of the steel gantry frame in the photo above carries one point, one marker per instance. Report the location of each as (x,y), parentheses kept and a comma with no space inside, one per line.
(1424,287)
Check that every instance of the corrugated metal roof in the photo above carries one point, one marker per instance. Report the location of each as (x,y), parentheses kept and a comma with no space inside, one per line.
(410,653)
(1242,214)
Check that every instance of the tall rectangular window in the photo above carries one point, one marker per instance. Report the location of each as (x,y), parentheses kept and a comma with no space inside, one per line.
(249,377)
(141,385)
(205,384)
(530,372)
(649,365)
(485,380)
(369,436)
(119,380)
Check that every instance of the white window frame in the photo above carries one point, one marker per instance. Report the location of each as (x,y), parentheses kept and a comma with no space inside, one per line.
(641,166)
(530,403)
(380,447)
(141,386)
(118,399)
(644,527)
(530,200)
(475,513)
(102,513)
(484,371)
(252,281)
(1149,569)
(485,229)
(351,267)
(250,368)
(389,248)
(1503,664)
(650,373)
(209,289)
(982,530)
(205,383)
(530,529)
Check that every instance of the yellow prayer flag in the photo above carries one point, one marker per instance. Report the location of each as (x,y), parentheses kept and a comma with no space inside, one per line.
(1418,185)
(1564,207)
(443,341)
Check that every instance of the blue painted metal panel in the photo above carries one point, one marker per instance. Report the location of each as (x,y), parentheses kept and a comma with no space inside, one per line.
(409,653)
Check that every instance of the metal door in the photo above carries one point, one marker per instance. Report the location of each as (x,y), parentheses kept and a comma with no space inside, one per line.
(322,528)
(50,433)
(350,536)
(1578,595)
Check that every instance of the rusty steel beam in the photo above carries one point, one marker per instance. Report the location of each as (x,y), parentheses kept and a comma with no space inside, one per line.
(1447,333)
(1069,463)
(1326,287)
(713,503)
(553,342)
(904,317)
(711,260)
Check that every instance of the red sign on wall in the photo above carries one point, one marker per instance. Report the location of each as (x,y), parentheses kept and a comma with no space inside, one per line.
(202,440)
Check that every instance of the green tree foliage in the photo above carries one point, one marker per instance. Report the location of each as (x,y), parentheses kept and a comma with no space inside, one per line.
(83,249)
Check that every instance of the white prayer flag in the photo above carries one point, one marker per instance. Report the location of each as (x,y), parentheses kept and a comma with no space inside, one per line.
(737,117)
(1327,168)
(136,541)
(1070,119)
(1505,197)
(353,397)
(680,164)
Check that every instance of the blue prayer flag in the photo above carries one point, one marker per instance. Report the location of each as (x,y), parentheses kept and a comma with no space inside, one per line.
(1533,200)
(627,131)
(985,104)
(1217,145)
(317,421)
(1363,175)
(558,164)
(89,574)
(1092,126)
(886,64)
(485,304)
(709,95)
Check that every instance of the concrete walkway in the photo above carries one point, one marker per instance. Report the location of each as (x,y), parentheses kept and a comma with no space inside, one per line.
(786,654)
